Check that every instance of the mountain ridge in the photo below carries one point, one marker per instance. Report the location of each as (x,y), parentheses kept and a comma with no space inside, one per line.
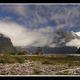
(6,45)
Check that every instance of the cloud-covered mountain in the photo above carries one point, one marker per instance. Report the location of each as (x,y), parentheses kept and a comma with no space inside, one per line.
(63,38)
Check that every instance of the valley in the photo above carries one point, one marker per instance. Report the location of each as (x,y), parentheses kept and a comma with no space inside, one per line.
(51,64)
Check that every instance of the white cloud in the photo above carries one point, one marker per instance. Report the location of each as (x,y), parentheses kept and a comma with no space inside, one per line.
(74,42)
(61,14)
(17,33)
(21,36)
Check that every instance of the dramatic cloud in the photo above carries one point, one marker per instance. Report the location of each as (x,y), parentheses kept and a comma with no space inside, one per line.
(22,36)
(46,14)
(36,25)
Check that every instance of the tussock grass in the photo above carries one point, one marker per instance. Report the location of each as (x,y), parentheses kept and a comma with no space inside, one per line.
(7,58)
(44,59)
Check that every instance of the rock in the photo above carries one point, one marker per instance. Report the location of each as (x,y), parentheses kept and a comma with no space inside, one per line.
(6,45)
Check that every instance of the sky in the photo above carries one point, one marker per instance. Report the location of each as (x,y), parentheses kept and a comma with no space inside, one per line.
(35,25)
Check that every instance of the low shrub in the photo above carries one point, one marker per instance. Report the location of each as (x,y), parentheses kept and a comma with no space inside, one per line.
(46,62)
(7,59)
(20,59)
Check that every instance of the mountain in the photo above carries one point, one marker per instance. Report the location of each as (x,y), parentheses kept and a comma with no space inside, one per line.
(6,45)
(54,50)
(62,37)
(72,35)
(60,50)
(61,40)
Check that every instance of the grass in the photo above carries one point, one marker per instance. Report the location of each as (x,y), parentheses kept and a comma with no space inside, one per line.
(45,59)
(6,58)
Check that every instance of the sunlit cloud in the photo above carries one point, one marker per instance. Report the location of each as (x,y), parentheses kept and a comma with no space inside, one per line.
(21,36)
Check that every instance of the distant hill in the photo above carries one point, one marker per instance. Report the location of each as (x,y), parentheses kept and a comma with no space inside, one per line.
(61,50)
(6,45)
(55,50)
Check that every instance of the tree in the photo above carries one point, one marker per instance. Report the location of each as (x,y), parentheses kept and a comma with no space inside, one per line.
(39,51)
(78,51)
(23,53)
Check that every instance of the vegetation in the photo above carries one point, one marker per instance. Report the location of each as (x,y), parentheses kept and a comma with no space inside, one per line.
(44,59)
(47,64)
(78,51)
(39,51)
(22,53)
(7,58)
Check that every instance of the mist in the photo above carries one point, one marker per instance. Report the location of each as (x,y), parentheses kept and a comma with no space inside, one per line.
(23,36)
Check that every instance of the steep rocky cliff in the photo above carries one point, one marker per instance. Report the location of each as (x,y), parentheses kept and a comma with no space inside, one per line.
(6,45)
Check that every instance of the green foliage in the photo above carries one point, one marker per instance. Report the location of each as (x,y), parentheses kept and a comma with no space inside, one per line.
(7,59)
(46,62)
(23,53)
(78,51)
(12,53)
(20,59)
(39,51)
(10,58)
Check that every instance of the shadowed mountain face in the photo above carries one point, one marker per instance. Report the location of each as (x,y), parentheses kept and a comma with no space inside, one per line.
(62,37)
(6,45)
(54,50)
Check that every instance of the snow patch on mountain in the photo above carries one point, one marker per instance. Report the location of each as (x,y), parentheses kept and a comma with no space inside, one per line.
(77,33)
(76,41)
